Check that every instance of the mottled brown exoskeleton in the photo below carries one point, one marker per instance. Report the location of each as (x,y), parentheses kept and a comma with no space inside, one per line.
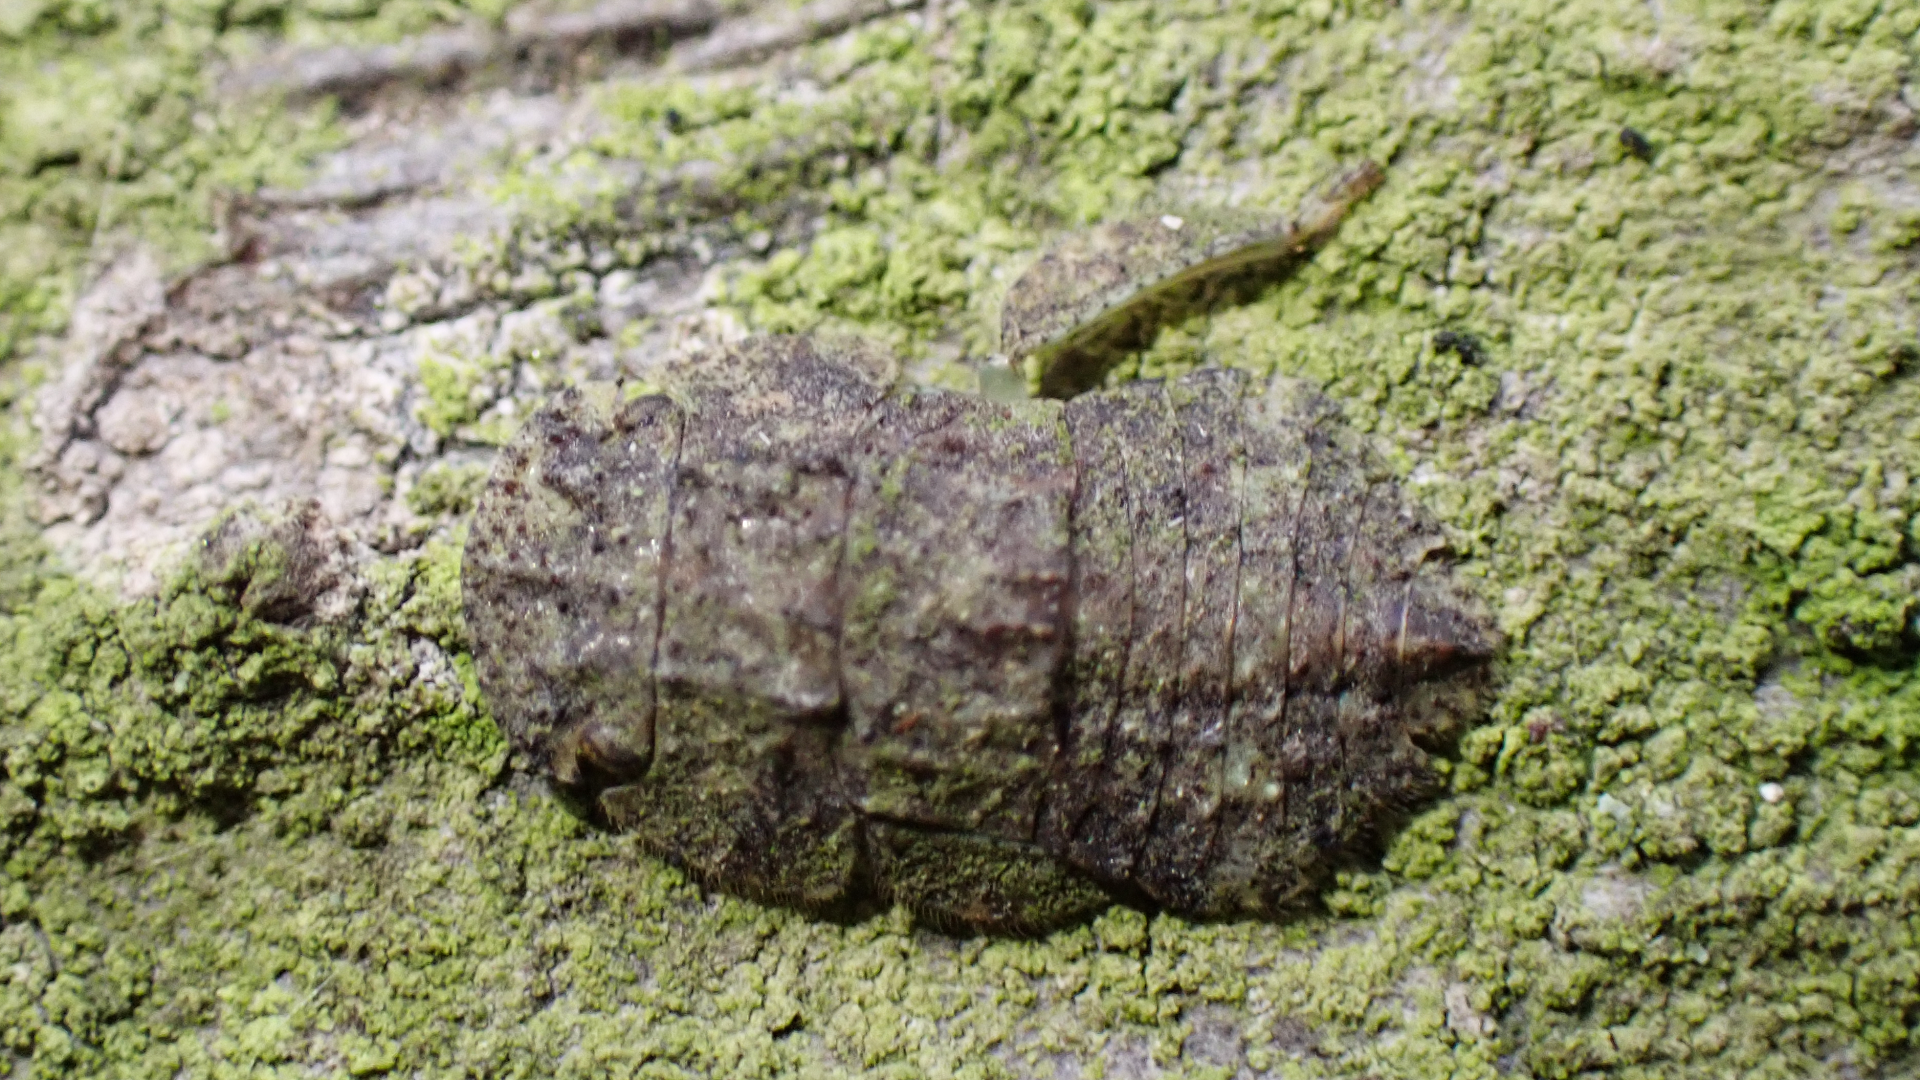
(821,638)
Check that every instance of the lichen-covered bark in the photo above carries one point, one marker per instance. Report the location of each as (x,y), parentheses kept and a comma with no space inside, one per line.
(1678,463)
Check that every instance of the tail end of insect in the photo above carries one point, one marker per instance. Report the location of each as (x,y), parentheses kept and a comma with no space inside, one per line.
(1440,634)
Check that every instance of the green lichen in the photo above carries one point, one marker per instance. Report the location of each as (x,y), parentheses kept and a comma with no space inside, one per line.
(1685,842)
(446,489)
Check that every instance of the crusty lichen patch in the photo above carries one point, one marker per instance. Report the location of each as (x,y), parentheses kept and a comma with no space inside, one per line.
(1679,461)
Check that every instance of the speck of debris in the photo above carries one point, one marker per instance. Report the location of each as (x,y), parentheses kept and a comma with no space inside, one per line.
(1636,144)
(1462,344)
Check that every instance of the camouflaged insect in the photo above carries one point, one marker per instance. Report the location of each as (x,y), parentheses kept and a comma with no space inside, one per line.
(825,639)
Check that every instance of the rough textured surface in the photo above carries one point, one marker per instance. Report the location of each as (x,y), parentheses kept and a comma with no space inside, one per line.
(1679,465)
(809,635)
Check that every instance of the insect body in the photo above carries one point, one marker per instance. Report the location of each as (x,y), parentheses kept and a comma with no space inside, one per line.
(819,638)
